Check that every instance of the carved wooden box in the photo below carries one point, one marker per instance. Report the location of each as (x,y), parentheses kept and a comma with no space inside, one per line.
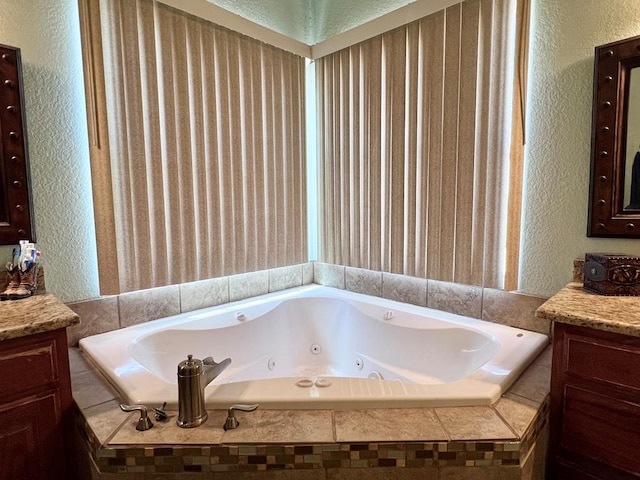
(612,274)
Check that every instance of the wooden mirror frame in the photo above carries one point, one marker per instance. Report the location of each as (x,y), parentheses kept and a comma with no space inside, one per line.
(607,216)
(16,211)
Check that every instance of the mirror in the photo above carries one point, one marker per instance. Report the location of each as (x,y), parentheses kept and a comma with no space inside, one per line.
(632,147)
(16,213)
(614,208)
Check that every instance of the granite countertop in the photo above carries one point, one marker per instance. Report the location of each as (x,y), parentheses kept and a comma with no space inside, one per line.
(39,313)
(576,306)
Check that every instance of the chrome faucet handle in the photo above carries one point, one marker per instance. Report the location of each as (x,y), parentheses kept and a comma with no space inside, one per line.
(144,422)
(161,413)
(232,422)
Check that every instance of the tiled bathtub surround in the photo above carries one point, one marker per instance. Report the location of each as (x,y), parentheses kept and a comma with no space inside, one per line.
(405,289)
(508,308)
(505,441)
(112,312)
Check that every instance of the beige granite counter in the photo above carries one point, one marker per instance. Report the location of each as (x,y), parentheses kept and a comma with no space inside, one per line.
(39,313)
(576,306)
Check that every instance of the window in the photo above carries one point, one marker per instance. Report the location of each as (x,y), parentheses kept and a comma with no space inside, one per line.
(197,147)
(421,147)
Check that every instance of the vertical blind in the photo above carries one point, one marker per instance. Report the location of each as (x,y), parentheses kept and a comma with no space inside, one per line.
(197,147)
(415,161)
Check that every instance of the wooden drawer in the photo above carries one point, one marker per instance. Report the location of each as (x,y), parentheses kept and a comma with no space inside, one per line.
(597,359)
(23,369)
(600,427)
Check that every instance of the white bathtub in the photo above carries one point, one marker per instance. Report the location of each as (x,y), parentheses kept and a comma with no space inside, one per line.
(319,347)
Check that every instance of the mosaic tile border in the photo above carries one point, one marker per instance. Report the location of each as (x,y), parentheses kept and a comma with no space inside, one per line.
(250,457)
(536,428)
(246,458)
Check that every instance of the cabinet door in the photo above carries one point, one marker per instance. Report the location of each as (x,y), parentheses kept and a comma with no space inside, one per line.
(595,404)
(31,439)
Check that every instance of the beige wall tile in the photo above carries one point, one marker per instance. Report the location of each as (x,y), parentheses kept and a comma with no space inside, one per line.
(285,277)
(146,305)
(307,273)
(514,309)
(204,293)
(382,473)
(96,316)
(293,474)
(403,288)
(511,472)
(468,473)
(92,473)
(329,275)
(535,462)
(388,425)
(481,473)
(480,423)
(360,280)
(245,285)
(455,298)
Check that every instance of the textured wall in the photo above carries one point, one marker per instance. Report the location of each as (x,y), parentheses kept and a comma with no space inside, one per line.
(564,35)
(310,21)
(48,35)
(332,17)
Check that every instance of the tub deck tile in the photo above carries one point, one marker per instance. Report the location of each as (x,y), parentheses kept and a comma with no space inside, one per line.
(534,383)
(387,425)
(282,426)
(169,433)
(517,411)
(474,423)
(104,419)
(411,443)
(89,388)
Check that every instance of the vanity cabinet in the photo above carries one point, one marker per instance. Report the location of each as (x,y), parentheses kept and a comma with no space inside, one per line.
(595,405)
(35,402)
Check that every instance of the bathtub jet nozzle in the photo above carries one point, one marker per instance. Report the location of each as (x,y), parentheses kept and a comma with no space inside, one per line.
(193,376)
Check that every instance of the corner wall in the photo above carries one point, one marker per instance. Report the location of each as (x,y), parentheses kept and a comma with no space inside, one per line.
(564,35)
(47,32)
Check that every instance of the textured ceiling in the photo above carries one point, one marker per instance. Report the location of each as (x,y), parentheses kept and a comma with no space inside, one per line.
(310,21)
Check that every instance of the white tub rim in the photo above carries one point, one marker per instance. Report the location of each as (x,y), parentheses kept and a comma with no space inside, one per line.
(477,391)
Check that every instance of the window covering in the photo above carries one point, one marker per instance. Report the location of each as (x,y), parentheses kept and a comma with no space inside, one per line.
(416,128)
(197,147)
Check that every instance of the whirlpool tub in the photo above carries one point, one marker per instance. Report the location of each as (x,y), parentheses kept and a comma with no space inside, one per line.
(319,347)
